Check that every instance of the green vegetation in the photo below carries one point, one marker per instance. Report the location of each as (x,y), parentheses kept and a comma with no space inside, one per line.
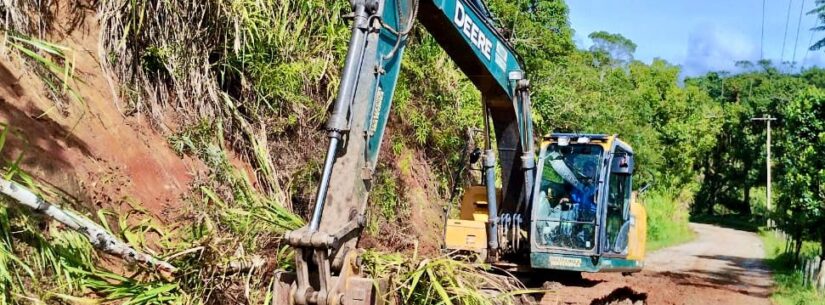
(667,216)
(801,201)
(52,63)
(789,287)
(735,167)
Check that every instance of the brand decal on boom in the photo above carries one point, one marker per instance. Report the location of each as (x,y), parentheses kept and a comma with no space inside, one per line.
(467,26)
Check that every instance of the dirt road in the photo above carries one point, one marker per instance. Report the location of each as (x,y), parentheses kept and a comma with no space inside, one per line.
(722,266)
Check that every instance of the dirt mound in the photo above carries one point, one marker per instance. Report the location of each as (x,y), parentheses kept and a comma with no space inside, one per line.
(622,296)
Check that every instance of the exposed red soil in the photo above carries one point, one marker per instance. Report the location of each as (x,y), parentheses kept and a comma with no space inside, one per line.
(419,223)
(722,266)
(89,149)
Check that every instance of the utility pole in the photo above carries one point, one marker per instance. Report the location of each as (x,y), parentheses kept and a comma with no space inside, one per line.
(768,120)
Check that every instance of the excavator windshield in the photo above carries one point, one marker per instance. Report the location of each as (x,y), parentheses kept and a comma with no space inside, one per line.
(566,211)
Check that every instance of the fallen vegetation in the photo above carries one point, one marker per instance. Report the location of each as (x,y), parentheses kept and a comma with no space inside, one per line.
(49,256)
(444,280)
(97,235)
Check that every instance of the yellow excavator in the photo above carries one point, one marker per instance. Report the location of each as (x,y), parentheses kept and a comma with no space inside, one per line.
(570,208)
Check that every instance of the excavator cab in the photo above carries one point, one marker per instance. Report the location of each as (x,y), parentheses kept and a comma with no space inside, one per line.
(583,214)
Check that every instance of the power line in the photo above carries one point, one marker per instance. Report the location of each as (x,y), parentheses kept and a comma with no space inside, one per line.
(785,37)
(798,26)
(810,43)
(762,39)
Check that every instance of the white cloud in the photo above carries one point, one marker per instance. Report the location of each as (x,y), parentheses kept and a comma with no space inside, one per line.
(715,48)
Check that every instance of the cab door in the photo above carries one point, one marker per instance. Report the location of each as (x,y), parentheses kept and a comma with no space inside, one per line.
(618,221)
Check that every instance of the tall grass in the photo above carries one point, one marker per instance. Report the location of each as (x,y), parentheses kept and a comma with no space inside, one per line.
(231,236)
(276,57)
(262,68)
(667,219)
(790,289)
(52,63)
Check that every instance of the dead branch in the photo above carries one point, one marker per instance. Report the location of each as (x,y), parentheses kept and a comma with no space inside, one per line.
(98,236)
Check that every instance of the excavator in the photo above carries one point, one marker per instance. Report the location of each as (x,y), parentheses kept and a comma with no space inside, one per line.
(571,208)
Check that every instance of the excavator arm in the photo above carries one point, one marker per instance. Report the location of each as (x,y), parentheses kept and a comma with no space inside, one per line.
(325,250)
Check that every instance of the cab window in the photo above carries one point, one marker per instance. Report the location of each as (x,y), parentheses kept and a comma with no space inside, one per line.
(566,215)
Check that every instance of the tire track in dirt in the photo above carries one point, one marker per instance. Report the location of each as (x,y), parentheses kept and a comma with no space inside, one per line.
(721,266)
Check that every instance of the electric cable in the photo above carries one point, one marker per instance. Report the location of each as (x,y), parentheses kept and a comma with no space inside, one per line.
(798,27)
(762,38)
(785,37)
(810,43)
(400,34)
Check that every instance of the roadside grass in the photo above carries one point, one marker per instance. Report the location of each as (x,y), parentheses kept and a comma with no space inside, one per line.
(667,220)
(789,289)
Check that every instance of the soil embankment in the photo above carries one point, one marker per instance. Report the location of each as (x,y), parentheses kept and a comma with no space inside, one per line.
(85,146)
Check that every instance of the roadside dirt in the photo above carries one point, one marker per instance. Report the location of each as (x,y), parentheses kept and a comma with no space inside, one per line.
(722,266)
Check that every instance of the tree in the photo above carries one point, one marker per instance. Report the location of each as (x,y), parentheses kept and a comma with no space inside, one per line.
(801,208)
(737,164)
(819,11)
(615,47)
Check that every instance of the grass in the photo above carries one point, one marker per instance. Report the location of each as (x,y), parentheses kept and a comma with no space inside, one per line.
(230,221)
(53,64)
(667,220)
(789,288)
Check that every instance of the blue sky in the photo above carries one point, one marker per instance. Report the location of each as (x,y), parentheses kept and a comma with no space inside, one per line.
(701,35)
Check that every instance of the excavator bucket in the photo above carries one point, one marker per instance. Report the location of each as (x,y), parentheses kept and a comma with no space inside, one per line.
(358,291)
(348,288)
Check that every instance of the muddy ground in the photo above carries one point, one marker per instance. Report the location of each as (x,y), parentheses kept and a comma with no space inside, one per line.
(721,266)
